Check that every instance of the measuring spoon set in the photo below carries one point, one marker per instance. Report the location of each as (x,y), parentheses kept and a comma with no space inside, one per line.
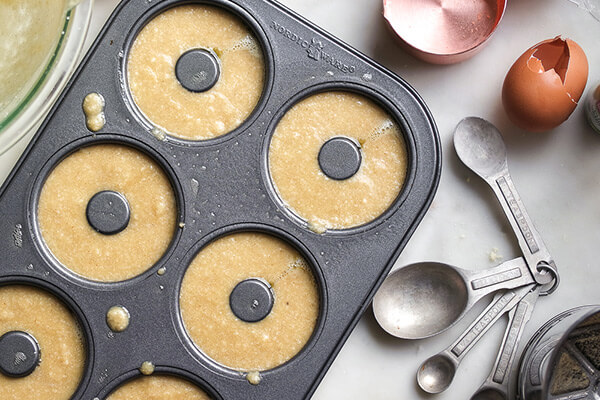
(424,299)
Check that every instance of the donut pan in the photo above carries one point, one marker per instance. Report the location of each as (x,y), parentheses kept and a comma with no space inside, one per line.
(221,186)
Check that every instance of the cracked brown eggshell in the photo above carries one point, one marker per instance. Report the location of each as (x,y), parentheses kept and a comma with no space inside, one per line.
(543,86)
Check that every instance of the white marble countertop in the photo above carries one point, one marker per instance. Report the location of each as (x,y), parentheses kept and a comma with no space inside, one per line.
(557,174)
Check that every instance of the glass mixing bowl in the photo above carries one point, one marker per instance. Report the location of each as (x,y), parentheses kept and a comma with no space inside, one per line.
(36,96)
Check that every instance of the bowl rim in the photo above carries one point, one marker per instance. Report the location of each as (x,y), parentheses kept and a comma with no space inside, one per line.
(450,57)
(38,101)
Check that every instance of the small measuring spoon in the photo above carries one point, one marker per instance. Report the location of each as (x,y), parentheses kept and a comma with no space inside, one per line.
(437,372)
(480,147)
(424,299)
(496,386)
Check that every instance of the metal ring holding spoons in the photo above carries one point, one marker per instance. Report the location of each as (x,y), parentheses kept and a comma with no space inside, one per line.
(551,286)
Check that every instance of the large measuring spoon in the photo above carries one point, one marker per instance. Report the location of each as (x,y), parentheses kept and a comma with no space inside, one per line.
(424,299)
(480,147)
(496,386)
(437,372)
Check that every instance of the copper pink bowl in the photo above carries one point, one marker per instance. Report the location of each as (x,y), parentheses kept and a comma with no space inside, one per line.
(443,31)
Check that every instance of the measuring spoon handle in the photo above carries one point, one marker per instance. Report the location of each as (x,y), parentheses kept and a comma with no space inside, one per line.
(531,244)
(479,145)
(498,380)
(437,372)
(510,274)
(502,303)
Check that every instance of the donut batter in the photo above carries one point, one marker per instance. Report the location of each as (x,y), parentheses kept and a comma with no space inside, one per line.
(165,102)
(69,236)
(207,315)
(117,318)
(147,368)
(328,203)
(93,108)
(37,312)
(158,387)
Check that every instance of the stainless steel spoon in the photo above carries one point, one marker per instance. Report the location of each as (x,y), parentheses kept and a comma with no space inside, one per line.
(496,386)
(437,372)
(424,299)
(480,147)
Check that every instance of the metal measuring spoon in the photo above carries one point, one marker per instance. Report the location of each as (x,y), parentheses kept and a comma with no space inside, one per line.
(437,372)
(480,147)
(496,386)
(424,299)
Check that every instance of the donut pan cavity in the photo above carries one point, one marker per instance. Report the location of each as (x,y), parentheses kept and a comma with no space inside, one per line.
(222,186)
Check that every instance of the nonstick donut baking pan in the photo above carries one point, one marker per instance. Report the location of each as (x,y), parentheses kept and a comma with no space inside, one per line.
(208,209)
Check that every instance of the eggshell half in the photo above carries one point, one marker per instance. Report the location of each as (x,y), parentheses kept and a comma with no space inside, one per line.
(543,86)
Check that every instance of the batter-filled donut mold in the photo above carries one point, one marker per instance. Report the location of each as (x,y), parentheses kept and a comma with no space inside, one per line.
(209,208)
